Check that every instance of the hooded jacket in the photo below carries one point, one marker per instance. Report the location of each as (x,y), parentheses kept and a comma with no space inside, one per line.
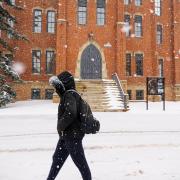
(68,119)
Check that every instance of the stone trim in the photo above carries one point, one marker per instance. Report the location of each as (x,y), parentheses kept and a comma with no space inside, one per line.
(50,9)
(37,8)
(78,61)
(138,52)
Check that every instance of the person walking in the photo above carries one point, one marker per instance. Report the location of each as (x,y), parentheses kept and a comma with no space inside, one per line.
(68,127)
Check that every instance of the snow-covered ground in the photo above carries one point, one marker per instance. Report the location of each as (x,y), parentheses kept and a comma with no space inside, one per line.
(136,145)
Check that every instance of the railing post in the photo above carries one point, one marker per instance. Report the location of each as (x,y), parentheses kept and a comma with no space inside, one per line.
(126,99)
(123,95)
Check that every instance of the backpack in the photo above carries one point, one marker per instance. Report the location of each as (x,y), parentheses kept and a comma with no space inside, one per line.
(88,123)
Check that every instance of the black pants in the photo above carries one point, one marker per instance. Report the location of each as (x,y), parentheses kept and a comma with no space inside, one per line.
(74,148)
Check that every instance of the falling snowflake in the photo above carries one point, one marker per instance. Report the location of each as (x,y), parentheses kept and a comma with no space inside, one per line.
(126,28)
(19,67)
(151,11)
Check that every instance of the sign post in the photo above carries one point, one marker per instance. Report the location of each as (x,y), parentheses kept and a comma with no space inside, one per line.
(155,86)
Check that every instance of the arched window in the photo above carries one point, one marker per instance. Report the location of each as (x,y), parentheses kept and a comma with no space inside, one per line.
(82,12)
(101,4)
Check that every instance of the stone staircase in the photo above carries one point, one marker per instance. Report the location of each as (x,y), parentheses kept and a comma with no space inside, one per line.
(102,95)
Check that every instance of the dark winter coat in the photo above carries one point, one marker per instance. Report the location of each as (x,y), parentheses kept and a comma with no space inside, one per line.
(68,119)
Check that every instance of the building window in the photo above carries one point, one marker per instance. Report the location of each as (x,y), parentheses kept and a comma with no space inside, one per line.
(138,2)
(50,62)
(139,64)
(129,92)
(126,2)
(82,12)
(127,25)
(138,26)
(161,68)
(11,24)
(159,35)
(139,94)
(36,61)
(128,64)
(49,93)
(13,2)
(51,22)
(9,60)
(101,12)
(35,94)
(157,7)
(37,25)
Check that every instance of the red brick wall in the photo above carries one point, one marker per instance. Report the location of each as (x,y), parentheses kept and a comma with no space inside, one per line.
(40,41)
(70,37)
(177,40)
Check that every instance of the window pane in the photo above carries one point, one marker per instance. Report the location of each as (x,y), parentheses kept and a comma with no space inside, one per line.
(82,12)
(37,21)
(128,64)
(13,2)
(51,22)
(36,61)
(138,26)
(127,25)
(139,94)
(49,93)
(100,11)
(138,2)
(139,64)
(159,34)
(161,68)
(126,2)
(35,94)
(50,62)
(82,3)
(157,6)
(129,92)
(9,61)
(11,23)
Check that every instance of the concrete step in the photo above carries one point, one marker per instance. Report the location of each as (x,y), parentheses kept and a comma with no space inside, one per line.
(102,95)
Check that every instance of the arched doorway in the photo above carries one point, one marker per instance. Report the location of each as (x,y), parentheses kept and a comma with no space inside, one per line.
(91,63)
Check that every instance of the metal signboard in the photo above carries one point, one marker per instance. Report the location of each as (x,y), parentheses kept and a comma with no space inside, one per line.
(155,86)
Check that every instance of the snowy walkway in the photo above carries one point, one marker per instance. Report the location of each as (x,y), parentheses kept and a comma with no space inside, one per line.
(137,145)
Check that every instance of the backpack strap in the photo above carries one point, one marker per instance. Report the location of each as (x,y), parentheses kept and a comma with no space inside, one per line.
(73,91)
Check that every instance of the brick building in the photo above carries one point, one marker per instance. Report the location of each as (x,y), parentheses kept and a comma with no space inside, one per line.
(96,38)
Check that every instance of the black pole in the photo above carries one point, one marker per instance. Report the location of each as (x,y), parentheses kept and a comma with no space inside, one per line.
(164,99)
(147,93)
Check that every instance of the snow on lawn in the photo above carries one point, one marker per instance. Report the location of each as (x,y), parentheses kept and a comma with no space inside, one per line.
(136,145)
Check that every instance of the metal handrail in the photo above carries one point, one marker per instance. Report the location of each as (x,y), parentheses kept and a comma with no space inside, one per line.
(123,95)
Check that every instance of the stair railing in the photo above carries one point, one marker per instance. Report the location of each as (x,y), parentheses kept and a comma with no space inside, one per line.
(123,95)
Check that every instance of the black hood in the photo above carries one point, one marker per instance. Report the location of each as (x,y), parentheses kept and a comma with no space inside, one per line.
(67,80)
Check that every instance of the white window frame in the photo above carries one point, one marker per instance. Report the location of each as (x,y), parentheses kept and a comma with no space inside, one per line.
(51,21)
(157,7)
(138,2)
